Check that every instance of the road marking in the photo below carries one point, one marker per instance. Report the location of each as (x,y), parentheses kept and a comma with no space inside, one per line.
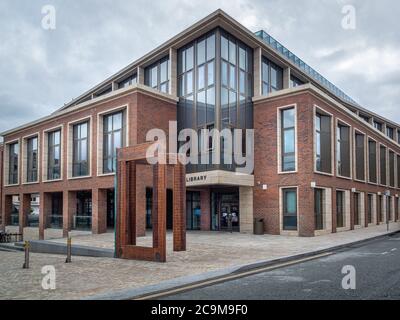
(383,253)
(394,249)
(230,277)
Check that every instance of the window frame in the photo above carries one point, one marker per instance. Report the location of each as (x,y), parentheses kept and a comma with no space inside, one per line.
(28,159)
(365,140)
(319,110)
(50,165)
(75,140)
(283,206)
(341,123)
(369,138)
(280,135)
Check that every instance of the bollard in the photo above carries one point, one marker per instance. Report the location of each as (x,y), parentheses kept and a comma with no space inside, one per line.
(26,248)
(69,250)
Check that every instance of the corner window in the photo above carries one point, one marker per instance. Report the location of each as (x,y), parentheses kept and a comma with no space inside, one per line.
(289,209)
(288,137)
(130,80)
(13,156)
(54,155)
(295,82)
(323,151)
(157,75)
(80,162)
(272,77)
(32,160)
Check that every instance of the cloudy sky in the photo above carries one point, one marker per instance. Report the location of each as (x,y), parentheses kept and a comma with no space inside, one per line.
(40,69)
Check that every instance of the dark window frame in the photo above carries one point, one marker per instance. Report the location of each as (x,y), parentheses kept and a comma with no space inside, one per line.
(32,164)
(266,77)
(383,166)
(323,142)
(340,209)
(13,163)
(284,156)
(392,168)
(162,86)
(80,166)
(343,150)
(319,209)
(109,154)
(359,152)
(54,168)
(289,215)
(372,161)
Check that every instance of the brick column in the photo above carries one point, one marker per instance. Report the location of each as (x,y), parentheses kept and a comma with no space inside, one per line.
(99,211)
(205,218)
(7,209)
(179,213)
(305,198)
(24,210)
(69,209)
(44,213)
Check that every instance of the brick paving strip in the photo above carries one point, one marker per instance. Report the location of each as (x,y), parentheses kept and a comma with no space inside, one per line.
(209,255)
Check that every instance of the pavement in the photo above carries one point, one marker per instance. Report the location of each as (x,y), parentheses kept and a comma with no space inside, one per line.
(209,255)
(377,276)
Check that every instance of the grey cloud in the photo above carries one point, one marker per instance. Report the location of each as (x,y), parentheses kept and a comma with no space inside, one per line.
(41,70)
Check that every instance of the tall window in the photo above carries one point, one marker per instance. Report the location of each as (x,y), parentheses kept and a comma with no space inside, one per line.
(370,207)
(360,156)
(289,209)
(391,169)
(80,162)
(340,209)
(157,75)
(113,138)
(383,165)
(318,209)
(13,156)
(343,150)
(32,160)
(323,143)
(54,155)
(372,152)
(288,143)
(398,172)
(379,205)
(398,136)
(357,215)
(272,77)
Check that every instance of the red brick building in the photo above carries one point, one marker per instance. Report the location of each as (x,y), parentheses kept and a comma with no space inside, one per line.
(322,163)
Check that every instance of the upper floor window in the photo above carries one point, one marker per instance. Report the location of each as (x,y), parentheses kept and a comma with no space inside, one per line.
(378,125)
(372,154)
(288,143)
(54,155)
(32,160)
(80,157)
(323,144)
(272,77)
(383,165)
(398,136)
(295,82)
(128,81)
(157,75)
(343,150)
(13,155)
(113,138)
(365,118)
(103,91)
(390,132)
(360,156)
(391,169)
(398,172)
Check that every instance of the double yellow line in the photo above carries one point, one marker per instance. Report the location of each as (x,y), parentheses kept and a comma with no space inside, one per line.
(229,278)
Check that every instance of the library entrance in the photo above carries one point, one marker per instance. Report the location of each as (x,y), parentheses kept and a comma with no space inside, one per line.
(225,210)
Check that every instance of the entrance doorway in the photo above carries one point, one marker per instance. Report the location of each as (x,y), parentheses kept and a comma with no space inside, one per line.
(225,204)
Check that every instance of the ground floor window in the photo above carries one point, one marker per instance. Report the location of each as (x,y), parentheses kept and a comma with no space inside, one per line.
(318,209)
(193,210)
(56,216)
(396,209)
(379,205)
(370,207)
(340,208)
(357,215)
(289,220)
(83,217)
(389,208)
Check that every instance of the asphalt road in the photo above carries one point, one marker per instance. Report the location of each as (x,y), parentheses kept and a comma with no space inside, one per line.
(376,263)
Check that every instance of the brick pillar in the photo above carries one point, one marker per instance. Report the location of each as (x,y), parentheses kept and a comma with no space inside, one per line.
(305,199)
(205,218)
(44,213)
(99,211)
(24,210)
(69,209)
(179,213)
(7,209)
